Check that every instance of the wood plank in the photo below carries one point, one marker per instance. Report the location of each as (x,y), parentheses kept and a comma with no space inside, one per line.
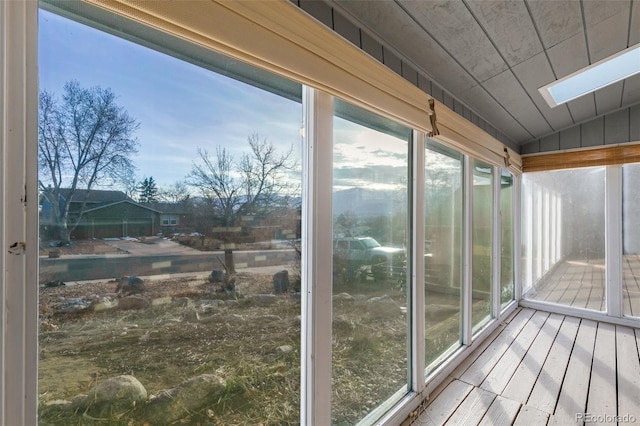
(524,378)
(573,393)
(571,291)
(596,280)
(628,363)
(444,405)
(531,416)
(602,388)
(503,411)
(632,285)
(481,365)
(473,408)
(499,376)
(582,297)
(547,388)
(628,153)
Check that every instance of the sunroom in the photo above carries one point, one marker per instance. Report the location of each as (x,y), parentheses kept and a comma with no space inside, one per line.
(388,223)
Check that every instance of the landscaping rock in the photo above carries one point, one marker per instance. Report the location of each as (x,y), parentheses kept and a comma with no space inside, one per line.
(133,303)
(191,396)
(217,276)
(343,297)
(383,306)
(74,306)
(265,299)
(103,305)
(281,281)
(112,397)
(285,349)
(130,285)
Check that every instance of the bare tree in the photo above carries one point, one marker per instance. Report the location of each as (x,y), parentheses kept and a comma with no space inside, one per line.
(177,193)
(254,186)
(85,140)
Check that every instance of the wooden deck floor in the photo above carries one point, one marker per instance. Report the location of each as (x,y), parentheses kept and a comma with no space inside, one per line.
(581,284)
(541,368)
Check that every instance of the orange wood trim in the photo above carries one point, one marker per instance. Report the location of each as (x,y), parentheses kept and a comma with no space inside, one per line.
(620,154)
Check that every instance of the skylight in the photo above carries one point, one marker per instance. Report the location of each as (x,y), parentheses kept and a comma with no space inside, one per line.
(610,70)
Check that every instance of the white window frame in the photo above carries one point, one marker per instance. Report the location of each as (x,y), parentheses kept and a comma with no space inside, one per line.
(614,312)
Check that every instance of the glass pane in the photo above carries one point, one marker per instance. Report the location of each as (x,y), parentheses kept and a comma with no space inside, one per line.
(370,325)
(482,229)
(443,252)
(169,264)
(567,224)
(631,239)
(506,240)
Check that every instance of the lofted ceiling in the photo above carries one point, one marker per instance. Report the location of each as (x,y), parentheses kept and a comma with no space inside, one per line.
(493,55)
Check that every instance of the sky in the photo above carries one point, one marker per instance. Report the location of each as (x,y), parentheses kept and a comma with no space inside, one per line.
(181,107)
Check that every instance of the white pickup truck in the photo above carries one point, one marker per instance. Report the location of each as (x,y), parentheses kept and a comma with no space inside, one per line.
(363,255)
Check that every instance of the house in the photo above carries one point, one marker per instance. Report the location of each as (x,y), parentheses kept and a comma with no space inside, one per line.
(562,346)
(111,214)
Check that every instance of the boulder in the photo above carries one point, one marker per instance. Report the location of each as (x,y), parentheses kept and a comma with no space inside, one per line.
(281,281)
(112,398)
(190,396)
(130,285)
(133,303)
(383,306)
(343,297)
(217,276)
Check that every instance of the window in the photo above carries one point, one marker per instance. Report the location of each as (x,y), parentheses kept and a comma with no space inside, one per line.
(224,323)
(370,310)
(631,239)
(169,220)
(568,236)
(507,281)
(444,195)
(482,243)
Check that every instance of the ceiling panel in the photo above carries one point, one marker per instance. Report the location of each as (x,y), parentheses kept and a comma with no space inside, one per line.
(509,27)
(508,91)
(391,23)
(569,56)
(634,26)
(582,108)
(534,73)
(556,21)
(457,31)
(607,27)
(480,101)
(609,98)
(493,55)
(631,94)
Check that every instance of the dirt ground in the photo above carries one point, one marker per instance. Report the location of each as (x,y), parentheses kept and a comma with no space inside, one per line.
(188,327)
(82,247)
(191,328)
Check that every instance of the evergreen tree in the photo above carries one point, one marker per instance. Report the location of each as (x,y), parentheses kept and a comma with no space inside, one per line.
(148,191)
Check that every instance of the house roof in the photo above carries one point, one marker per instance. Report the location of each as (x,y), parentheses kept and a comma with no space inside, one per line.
(128,201)
(94,196)
(166,208)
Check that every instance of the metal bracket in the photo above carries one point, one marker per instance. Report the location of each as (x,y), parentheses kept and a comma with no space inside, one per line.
(432,117)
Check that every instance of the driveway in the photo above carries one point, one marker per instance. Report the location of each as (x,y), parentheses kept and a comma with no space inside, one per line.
(150,246)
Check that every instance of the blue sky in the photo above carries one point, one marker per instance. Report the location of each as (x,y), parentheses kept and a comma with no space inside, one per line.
(179,106)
